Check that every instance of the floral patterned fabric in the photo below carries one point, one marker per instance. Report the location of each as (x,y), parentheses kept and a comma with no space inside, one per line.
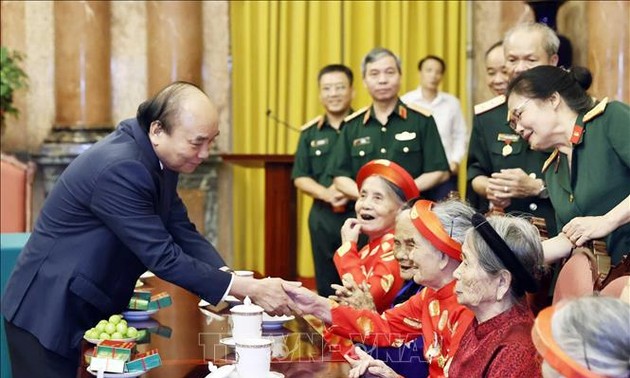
(435,315)
(501,347)
(376,265)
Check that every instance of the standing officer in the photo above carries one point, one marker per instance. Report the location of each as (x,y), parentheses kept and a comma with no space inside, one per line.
(501,166)
(330,206)
(389,129)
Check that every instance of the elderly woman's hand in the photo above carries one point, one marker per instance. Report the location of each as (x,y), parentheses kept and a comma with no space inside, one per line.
(309,302)
(582,229)
(367,366)
(353,295)
(350,230)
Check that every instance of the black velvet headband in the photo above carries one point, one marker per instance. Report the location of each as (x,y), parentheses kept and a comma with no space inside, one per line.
(524,280)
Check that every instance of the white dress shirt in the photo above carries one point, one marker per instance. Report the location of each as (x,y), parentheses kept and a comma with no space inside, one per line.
(449,119)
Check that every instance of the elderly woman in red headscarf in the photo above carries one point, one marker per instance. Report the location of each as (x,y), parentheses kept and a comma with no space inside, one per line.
(384,187)
(433,233)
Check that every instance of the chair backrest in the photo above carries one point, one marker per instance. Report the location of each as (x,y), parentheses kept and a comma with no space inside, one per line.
(575,278)
(16,184)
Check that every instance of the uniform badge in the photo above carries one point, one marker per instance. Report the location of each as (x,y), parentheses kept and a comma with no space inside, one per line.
(361,141)
(319,142)
(405,136)
(507,139)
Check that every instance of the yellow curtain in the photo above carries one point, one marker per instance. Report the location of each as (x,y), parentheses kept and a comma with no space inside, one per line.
(277,49)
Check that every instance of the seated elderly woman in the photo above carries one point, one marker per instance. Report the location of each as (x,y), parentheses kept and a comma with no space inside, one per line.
(433,233)
(586,337)
(384,187)
(501,260)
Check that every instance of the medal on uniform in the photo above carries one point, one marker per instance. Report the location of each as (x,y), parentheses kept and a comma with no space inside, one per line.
(507,149)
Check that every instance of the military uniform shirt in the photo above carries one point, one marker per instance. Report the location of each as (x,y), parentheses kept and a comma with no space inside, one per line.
(314,149)
(495,146)
(409,138)
(599,177)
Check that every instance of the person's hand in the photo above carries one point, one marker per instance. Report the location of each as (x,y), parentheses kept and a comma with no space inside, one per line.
(582,229)
(350,230)
(353,295)
(513,183)
(501,203)
(367,366)
(337,198)
(309,302)
(453,167)
(269,293)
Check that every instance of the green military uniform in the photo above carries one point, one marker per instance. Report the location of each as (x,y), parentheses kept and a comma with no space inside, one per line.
(495,146)
(409,138)
(313,152)
(599,176)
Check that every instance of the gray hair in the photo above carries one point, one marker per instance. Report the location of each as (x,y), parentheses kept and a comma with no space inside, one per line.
(595,332)
(376,54)
(523,239)
(550,40)
(455,217)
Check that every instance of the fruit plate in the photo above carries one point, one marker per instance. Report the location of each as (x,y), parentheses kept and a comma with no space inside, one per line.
(118,375)
(133,315)
(275,322)
(96,341)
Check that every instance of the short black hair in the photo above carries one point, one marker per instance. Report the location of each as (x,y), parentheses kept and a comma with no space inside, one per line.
(432,57)
(336,68)
(163,106)
(542,81)
(494,46)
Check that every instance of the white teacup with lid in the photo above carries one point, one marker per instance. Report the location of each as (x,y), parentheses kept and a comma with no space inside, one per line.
(246,321)
(253,358)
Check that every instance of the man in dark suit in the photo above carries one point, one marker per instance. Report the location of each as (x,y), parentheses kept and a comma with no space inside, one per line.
(113,214)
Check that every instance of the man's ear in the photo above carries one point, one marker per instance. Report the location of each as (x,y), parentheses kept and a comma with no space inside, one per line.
(155,130)
(553,61)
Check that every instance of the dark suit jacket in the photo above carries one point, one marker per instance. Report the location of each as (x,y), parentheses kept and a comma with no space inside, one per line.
(113,214)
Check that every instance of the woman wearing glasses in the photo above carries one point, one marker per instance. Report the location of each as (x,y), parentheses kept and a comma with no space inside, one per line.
(588,173)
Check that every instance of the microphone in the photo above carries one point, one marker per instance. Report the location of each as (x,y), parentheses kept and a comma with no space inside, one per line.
(283,123)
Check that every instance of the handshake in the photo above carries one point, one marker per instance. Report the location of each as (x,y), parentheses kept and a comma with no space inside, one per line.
(279,297)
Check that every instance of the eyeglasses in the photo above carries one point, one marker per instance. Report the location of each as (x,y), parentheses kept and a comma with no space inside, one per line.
(515,116)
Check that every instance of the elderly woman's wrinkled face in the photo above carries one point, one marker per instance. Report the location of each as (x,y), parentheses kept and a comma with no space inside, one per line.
(406,240)
(474,287)
(376,207)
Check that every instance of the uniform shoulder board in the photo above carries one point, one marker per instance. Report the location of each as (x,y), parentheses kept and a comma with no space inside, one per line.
(597,110)
(490,104)
(419,109)
(310,123)
(355,114)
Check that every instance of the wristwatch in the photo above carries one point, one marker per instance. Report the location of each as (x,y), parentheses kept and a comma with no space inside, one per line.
(544,193)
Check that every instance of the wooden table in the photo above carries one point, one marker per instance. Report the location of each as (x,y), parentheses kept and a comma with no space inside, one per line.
(194,340)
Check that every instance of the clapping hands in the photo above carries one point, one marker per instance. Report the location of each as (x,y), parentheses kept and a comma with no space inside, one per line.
(353,294)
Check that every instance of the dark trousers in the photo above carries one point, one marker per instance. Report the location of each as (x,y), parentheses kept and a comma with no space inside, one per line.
(325,228)
(441,192)
(29,359)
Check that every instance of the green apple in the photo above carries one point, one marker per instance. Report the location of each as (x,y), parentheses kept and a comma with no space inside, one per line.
(104,336)
(117,336)
(132,332)
(115,319)
(88,332)
(93,334)
(123,321)
(100,327)
(122,328)
(110,328)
